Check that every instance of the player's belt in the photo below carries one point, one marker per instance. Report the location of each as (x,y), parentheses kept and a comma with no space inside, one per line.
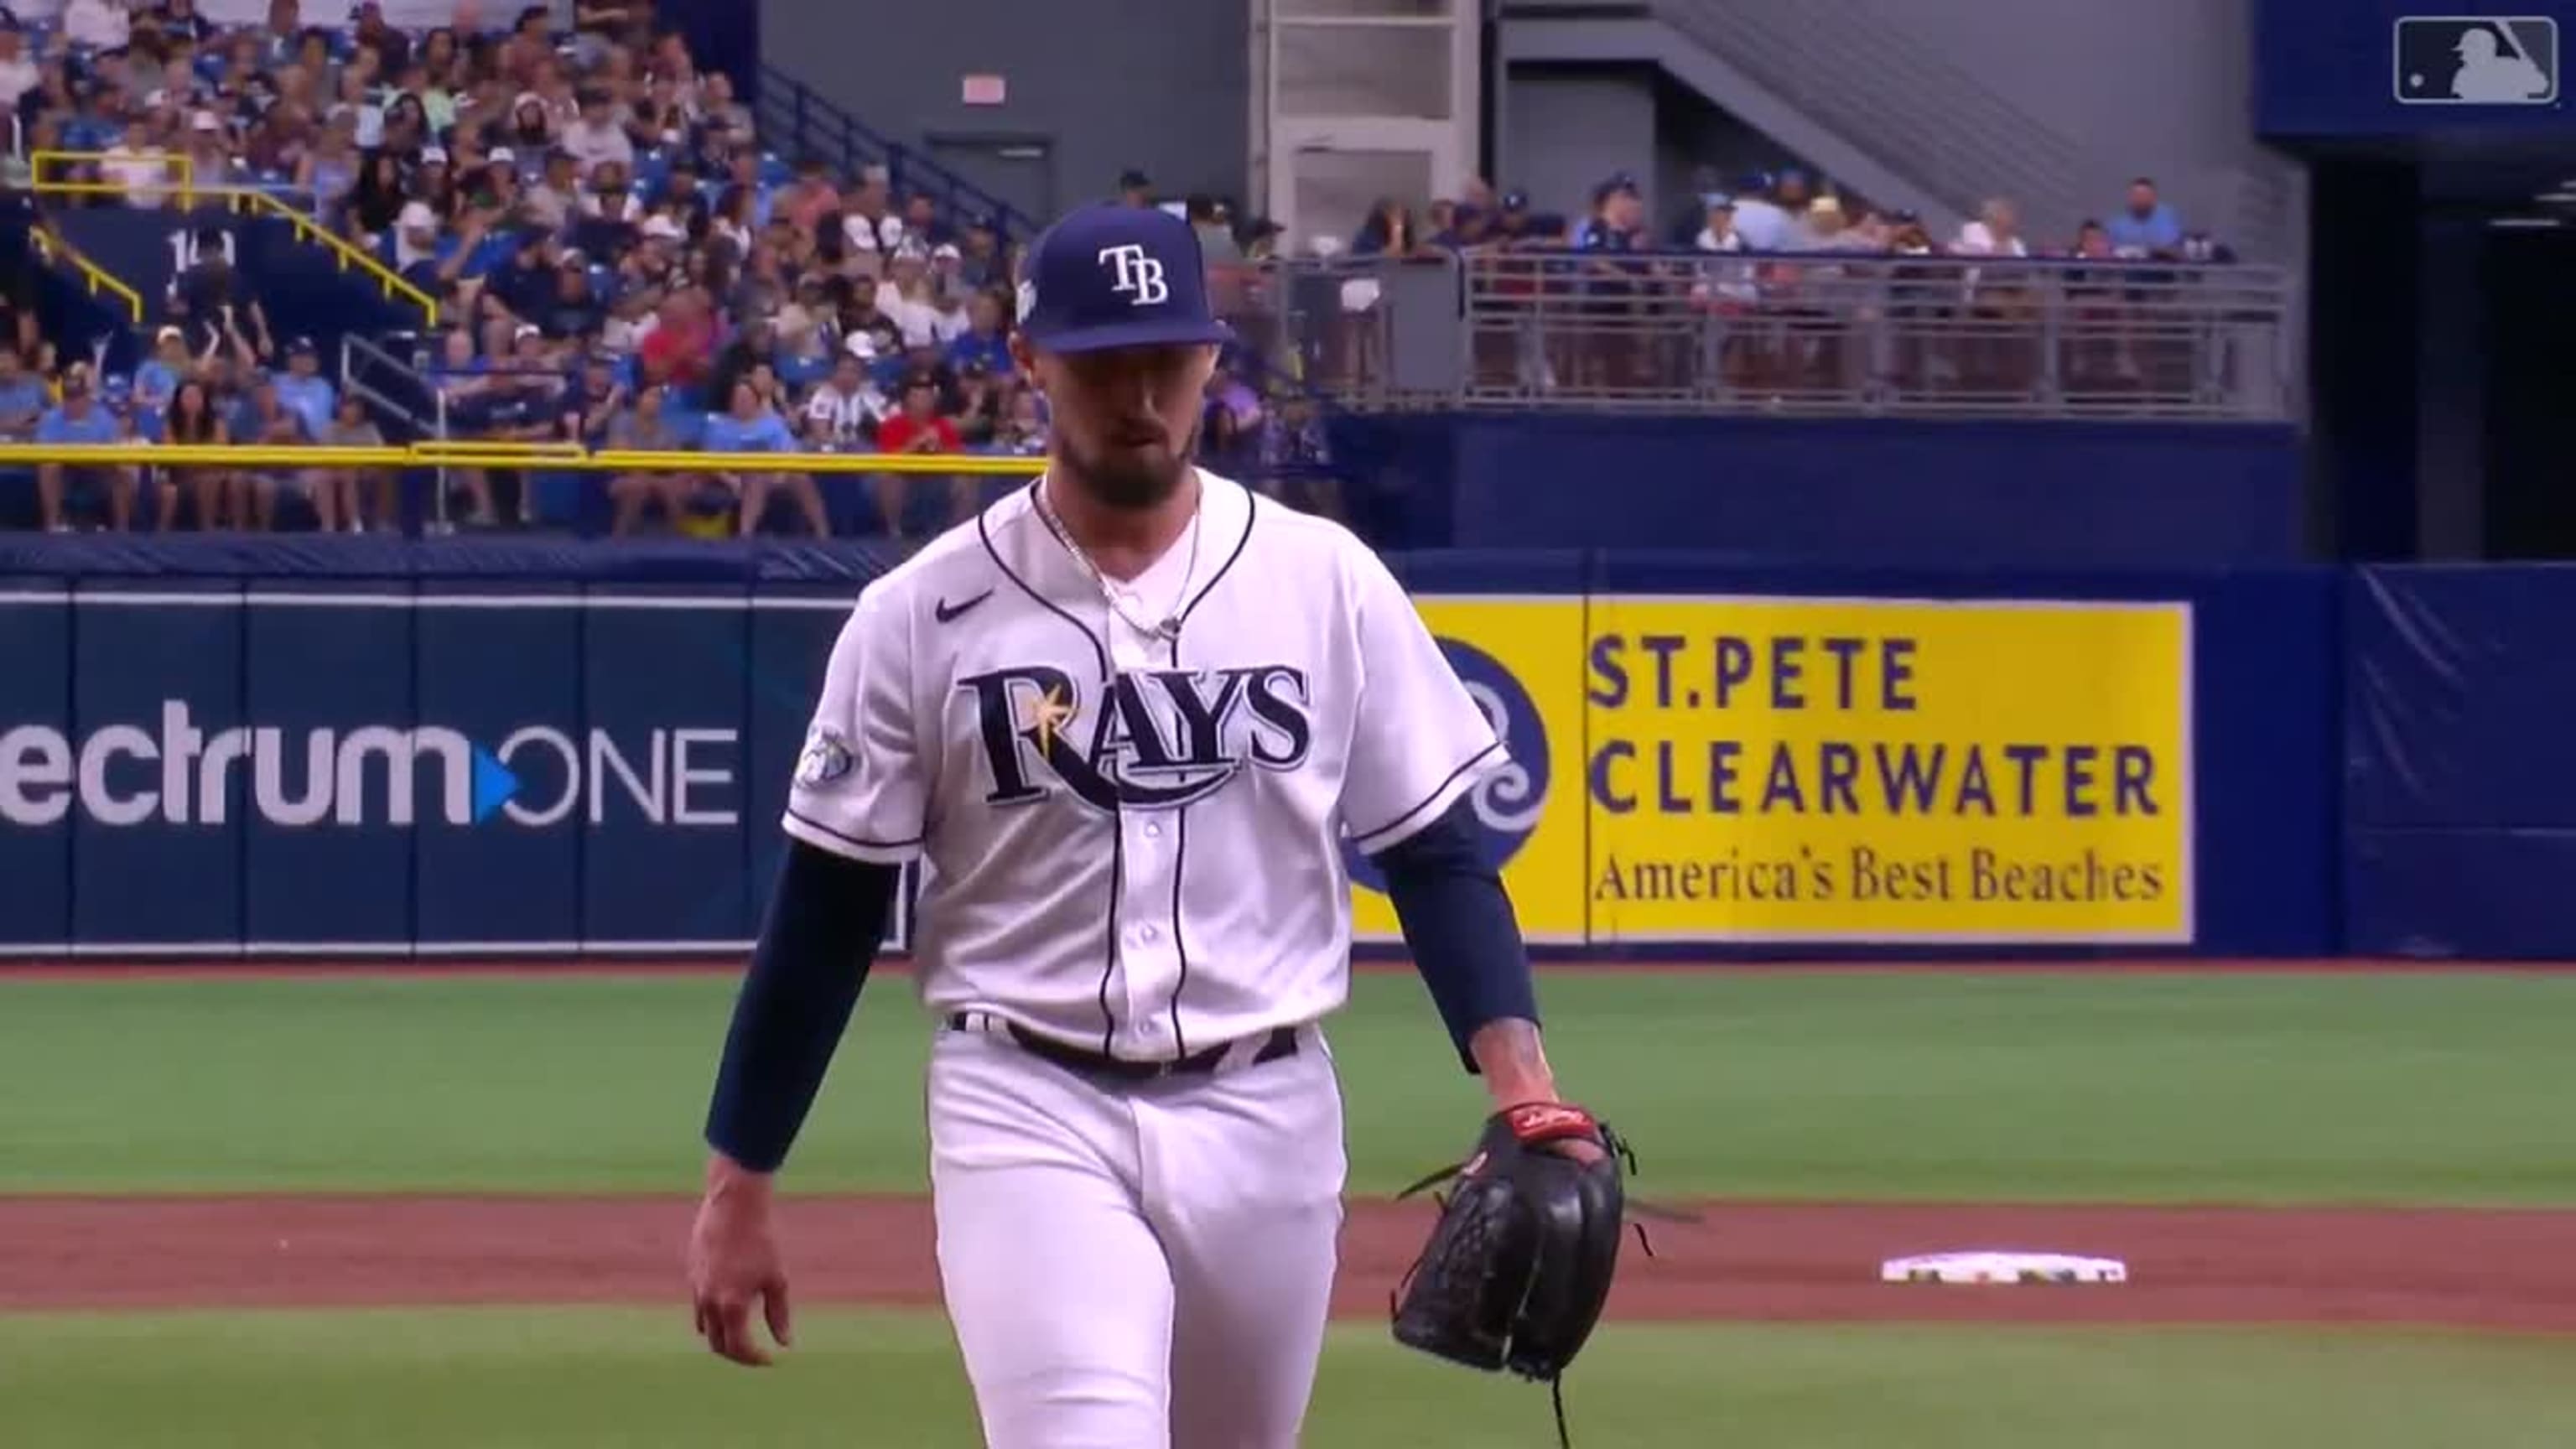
(1270,1046)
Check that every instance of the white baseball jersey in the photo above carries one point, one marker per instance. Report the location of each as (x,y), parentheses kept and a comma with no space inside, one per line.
(1132,843)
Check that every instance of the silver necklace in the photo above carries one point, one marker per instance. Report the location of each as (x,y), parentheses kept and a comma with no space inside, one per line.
(1169,629)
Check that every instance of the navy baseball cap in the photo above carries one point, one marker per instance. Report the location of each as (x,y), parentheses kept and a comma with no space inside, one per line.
(1116,276)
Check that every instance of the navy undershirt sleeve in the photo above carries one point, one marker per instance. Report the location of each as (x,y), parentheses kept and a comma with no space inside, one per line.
(826,917)
(1458,923)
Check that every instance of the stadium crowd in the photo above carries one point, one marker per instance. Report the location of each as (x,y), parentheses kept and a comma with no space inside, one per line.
(621,260)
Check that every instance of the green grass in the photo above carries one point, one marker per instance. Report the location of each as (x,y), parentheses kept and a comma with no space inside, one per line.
(1847,1085)
(569,1379)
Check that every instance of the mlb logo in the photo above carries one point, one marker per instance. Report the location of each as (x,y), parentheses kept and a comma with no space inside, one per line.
(2477,60)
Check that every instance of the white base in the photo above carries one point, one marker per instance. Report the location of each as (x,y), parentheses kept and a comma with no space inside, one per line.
(1994,1267)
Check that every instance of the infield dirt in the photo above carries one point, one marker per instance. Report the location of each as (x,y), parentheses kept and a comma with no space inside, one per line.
(2507,1270)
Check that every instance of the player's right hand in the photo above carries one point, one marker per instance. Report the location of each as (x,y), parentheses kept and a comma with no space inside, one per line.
(734,1265)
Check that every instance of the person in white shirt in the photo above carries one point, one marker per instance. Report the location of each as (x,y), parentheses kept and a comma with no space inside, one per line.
(99,24)
(594,139)
(1729,283)
(1998,356)
(18,70)
(947,299)
(138,165)
(1132,720)
(845,408)
(904,297)
(1996,232)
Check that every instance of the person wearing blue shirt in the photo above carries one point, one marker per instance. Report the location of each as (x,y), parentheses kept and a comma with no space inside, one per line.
(79,419)
(22,396)
(304,391)
(157,380)
(746,177)
(1615,282)
(750,425)
(2148,227)
(985,339)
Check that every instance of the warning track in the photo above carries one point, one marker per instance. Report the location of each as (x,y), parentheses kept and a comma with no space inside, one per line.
(2496,1270)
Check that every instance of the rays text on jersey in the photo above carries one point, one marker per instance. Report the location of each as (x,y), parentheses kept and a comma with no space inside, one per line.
(1156,738)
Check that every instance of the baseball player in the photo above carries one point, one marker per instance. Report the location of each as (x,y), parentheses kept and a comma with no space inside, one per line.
(1125,720)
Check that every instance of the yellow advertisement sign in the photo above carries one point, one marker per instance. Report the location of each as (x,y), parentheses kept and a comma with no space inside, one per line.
(1523,661)
(1834,770)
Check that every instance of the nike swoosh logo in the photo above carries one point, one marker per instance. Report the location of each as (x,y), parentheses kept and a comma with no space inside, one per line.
(947,612)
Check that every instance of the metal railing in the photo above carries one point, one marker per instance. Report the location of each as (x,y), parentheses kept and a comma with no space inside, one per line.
(799,120)
(257,200)
(54,247)
(1940,125)
(1839,334)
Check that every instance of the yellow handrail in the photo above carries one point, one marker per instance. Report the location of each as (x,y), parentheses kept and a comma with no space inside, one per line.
(551,457)
(179,161)
(388,280)
(235,198)
(98,277)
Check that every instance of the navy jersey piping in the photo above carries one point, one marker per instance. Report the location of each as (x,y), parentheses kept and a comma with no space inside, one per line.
(1117,842)
(1361,838)
(1181,817)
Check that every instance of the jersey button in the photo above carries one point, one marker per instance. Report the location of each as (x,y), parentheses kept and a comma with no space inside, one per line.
(1152,831)
(1147,933)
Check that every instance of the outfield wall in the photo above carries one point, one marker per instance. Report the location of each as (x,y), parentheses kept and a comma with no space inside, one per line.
(525,749)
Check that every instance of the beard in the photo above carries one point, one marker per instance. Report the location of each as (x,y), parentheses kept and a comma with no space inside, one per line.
(1133,480)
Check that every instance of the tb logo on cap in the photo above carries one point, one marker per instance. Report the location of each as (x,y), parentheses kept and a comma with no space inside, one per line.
(1139,277)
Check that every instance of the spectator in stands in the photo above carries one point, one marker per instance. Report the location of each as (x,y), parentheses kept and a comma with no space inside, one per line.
(336,493)
(575,310)
(681,347)
(1230,424)
(594,403)
(19,73)
(842,412)
(156,381)
(2146,226)
(980,403)
(868,221)
(213,160)
(1295,459)
(1618,287)
(811,197)
(1764,222)
(611,208)
(304,391)
(22,397)
(79,419)
(138,163)
(595,138)
(557,197)
(378,200)
(1135,188)
(918,429)
(328,171)
(754,346)
(97,24)
(750,425)
(215,498)
(370,31)
(1023,432)
(986,340)
(643,426)
(981,263)
(1389,231)
(264,420)
(1994,232)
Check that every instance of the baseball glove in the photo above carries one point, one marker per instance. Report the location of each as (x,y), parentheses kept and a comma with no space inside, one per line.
(1518,1268)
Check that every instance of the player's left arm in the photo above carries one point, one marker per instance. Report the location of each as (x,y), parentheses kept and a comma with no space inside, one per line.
(1421,748)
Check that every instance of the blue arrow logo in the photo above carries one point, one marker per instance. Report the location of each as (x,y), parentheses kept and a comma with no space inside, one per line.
(494,784)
